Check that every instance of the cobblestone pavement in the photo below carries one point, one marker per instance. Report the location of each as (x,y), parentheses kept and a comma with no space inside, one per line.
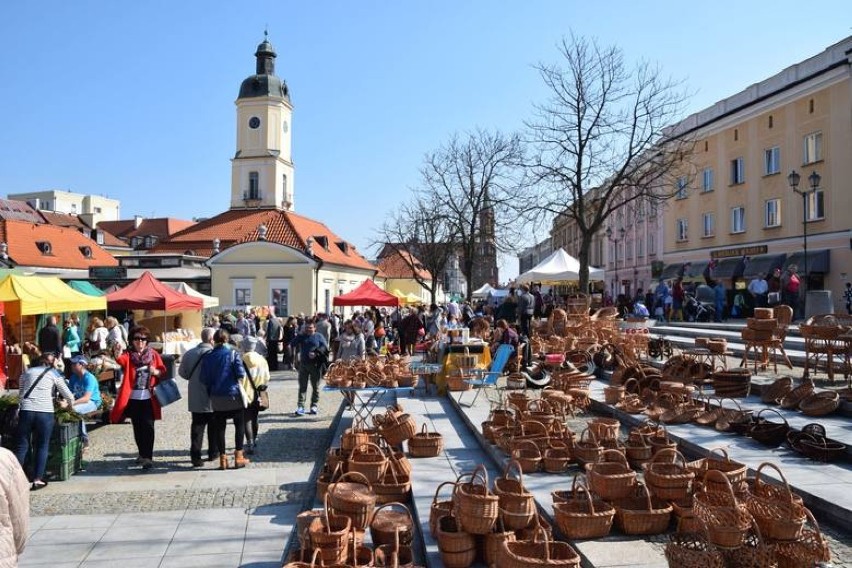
(285,441)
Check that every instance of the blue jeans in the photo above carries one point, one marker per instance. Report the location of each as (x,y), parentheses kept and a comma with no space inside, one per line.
(85,408)
(40,425)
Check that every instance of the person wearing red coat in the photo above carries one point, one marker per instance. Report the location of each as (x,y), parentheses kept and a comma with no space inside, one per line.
(142,368)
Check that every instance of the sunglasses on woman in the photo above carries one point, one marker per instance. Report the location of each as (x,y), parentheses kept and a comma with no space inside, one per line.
(140,338)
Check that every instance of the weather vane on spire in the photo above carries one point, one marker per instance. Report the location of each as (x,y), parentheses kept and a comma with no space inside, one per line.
(266,32)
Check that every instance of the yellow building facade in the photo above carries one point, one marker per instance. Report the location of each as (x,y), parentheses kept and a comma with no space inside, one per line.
(735,202)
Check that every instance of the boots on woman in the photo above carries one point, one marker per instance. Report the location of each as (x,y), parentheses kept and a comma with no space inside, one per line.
(223,461)
(240,460)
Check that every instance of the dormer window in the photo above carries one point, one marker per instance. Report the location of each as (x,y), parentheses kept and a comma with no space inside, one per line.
(86,251)
(44,247)
(322,240)
(343,246)
(99,237)
(150,241)
(135,242)
(189,252)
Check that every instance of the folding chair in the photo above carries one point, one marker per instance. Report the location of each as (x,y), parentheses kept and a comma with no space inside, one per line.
(488,379)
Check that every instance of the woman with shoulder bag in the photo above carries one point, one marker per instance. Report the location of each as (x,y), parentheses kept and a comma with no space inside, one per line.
(254,384)
(36,413)
(142,368)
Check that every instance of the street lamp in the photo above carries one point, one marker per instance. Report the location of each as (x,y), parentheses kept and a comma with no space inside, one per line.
(609,235)
(793,179)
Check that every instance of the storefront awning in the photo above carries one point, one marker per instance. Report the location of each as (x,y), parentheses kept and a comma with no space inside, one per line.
(818,261)
(695,271)
(86,287)
(28,295)
(729,268)
(671,271)
(763,264)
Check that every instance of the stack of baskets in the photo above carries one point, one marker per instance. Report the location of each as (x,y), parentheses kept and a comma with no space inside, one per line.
(761,326)
(732,383)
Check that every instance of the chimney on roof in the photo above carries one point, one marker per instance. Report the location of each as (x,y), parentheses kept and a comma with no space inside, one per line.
(137,221)
(216,243)
(309,246)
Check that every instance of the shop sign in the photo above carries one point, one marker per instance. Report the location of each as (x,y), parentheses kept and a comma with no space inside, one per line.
(739,251)
(107,272)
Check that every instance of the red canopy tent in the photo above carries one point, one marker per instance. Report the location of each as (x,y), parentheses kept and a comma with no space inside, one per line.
(367,294)
(148,293)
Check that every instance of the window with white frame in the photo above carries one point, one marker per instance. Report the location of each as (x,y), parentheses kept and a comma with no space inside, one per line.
(738,219)
(708,224)
(652,245)
(681,228)
(279,295)
(772,213)
(680,188)
(628,249)
(253,186)
(707,180)
(241,288)
(815,205)
(772,160)
(640,248)
(737,171)
(812,148)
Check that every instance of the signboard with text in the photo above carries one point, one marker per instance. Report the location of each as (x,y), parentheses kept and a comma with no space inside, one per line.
(108,272)
(739,251)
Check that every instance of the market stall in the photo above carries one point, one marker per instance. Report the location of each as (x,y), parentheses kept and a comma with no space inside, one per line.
(366,294)
(151,302)
(559,267)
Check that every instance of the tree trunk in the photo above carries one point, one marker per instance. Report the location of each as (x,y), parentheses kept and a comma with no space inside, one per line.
(585,245)
(467,270)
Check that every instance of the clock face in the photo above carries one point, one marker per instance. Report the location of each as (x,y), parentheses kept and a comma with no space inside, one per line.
(286,126)
(254,122)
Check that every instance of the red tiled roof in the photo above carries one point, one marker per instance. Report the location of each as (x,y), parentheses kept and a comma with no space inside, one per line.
(63,220)
(65,246)
(237,226)
(398,264)
(14,210)
(162,227)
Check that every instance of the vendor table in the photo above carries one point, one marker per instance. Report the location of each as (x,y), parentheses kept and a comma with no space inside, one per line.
(177,348)
(427,371)
(450,361)
(364,400)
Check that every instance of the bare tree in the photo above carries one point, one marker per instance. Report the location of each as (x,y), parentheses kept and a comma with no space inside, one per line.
(477,180)
(601,141)
(421,234)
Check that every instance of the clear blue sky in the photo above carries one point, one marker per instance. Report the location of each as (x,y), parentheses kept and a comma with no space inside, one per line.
(134,100)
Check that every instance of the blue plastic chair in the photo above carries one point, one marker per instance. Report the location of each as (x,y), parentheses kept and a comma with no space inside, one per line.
(488,379)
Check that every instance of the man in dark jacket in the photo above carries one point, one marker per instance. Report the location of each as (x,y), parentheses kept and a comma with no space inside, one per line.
(48,337)
(313,359)
(274,335)
(198,400)
(526,309)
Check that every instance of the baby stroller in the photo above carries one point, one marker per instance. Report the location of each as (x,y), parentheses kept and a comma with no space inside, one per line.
(702,306)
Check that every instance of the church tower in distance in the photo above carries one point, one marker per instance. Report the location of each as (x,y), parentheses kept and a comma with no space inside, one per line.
(262,168)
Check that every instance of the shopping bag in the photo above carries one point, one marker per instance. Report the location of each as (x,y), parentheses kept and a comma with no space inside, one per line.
(167,392)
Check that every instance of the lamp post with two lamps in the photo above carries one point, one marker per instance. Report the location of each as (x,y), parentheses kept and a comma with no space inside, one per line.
(793,179)
(609,235)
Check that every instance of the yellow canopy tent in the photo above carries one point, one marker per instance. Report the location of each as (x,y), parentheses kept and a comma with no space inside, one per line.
(30,295)
(406,298)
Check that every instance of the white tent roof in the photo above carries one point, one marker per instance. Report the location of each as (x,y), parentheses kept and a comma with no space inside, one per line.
(558,267)
(483,291)
(184,288)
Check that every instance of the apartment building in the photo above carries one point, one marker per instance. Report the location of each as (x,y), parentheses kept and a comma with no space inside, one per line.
(735,202)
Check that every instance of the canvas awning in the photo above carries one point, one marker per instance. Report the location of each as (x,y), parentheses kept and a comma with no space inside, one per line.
(729,267)
(695,271)
(818,261)
(482,292)
(763,264)
(86,287)
(558,267)
(367,294)
(184,288)
(29,295)
(406,298)
(148,293)
(671,271)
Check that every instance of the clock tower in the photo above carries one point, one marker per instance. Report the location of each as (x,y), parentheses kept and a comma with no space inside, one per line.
(262,168)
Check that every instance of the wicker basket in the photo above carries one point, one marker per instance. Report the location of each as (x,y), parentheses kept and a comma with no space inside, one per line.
(637,450)
(820,403)
(330,535)
(491,543)
(517,505)
(457,547)
(583,516)
(733,419)
(613,394)
(768,324)
(354,436)
(641,514)
(793,398)
(587,449)
(764,313)
(604,428)
(392,487)
(439,508)
(779,514)
(391,526)
(459,383)
(806,551)
(691,550)
(756,334)
(528,455)
(474,506)
(817,448)
(732,383)
(669,479)
(734,471)
(355,499)
(768,433)
(425,444)
(773,393)
(397,428)
(540,552)
(370,461)
(660,440)
(556,457)
(610,476)
(754,552)
(726,519)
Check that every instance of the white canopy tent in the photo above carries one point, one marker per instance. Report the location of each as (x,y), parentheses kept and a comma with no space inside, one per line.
(558,267)
(184,288)
(483,291)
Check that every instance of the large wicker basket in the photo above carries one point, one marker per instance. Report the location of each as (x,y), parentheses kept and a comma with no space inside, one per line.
(583,516)
(475,507)
(642,514)
(610,476)
(517,505)
(538,553)
(726,519)
(666,479)
(355,499)
(425,444)
(779,514)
